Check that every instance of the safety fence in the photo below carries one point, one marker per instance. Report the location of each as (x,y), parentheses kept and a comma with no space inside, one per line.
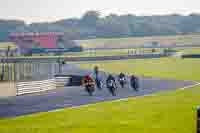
(35,86)
(31,71)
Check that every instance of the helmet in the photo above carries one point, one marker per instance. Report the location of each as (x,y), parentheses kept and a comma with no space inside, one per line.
(133,76)
(110,76)
(121,74)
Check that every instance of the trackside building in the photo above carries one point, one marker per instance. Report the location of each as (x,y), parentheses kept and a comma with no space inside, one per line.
(35,41)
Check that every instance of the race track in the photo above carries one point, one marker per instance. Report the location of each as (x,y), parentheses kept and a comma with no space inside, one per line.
(76,96)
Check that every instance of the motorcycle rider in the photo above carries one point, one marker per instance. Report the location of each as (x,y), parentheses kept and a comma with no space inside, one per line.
(89,84)
(97,79)
(99,83)
(122,79)
(96,70)
(134,82)
(111,85)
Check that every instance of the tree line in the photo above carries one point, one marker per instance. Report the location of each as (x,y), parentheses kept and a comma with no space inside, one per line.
(93,25)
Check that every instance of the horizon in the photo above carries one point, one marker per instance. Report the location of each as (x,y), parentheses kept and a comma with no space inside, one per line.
(50,11)
(102,15)
(58,19)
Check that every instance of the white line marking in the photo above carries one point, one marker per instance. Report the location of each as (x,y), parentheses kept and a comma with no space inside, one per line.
(190,86)
(118,100)
(196,82)
(121,99)
(57,110)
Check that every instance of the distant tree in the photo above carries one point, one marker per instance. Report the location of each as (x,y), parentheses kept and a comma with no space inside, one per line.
(90,18)
(195,14)
(92,25)
(113,26)
(8,26)
(111,16)
(72,34)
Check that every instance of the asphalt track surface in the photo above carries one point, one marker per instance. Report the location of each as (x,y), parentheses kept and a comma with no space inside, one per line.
(76,96)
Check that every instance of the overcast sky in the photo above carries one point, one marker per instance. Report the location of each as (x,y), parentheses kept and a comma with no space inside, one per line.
(51,10)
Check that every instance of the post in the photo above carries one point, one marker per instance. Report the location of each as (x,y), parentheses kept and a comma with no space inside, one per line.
(23,71)
(129,52)
(38,71)
(3,71)
(15,75)
(9,69)
(198,120)
(51,70)
(33,70)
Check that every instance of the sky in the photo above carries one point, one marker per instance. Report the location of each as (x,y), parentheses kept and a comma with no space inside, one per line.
(52,10)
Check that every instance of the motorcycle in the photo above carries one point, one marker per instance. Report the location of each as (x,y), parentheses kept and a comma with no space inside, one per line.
(122,82)
(90,88)
(99,84)
(135,84)
(112,87)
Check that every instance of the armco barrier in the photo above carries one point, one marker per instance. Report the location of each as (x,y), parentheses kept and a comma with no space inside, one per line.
(35,86)
(68,80)
(191,56)
(62,81)
(75,59)
(40,86)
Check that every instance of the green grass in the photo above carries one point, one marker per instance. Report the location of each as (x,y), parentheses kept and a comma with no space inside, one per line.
(169,112)
(166,112)
(138,41)
(173,68)
(191,51)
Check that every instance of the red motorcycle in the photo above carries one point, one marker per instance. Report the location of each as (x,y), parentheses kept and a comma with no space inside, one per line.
(89,85)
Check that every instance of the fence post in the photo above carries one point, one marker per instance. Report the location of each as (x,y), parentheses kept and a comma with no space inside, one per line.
(198,120)
(14,65)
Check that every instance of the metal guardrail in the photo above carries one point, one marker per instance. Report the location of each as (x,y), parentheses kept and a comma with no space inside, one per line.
(150,47)
(68,80)
(44,85)
(191,56)
(62,81)
(75,59)
(35,86)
